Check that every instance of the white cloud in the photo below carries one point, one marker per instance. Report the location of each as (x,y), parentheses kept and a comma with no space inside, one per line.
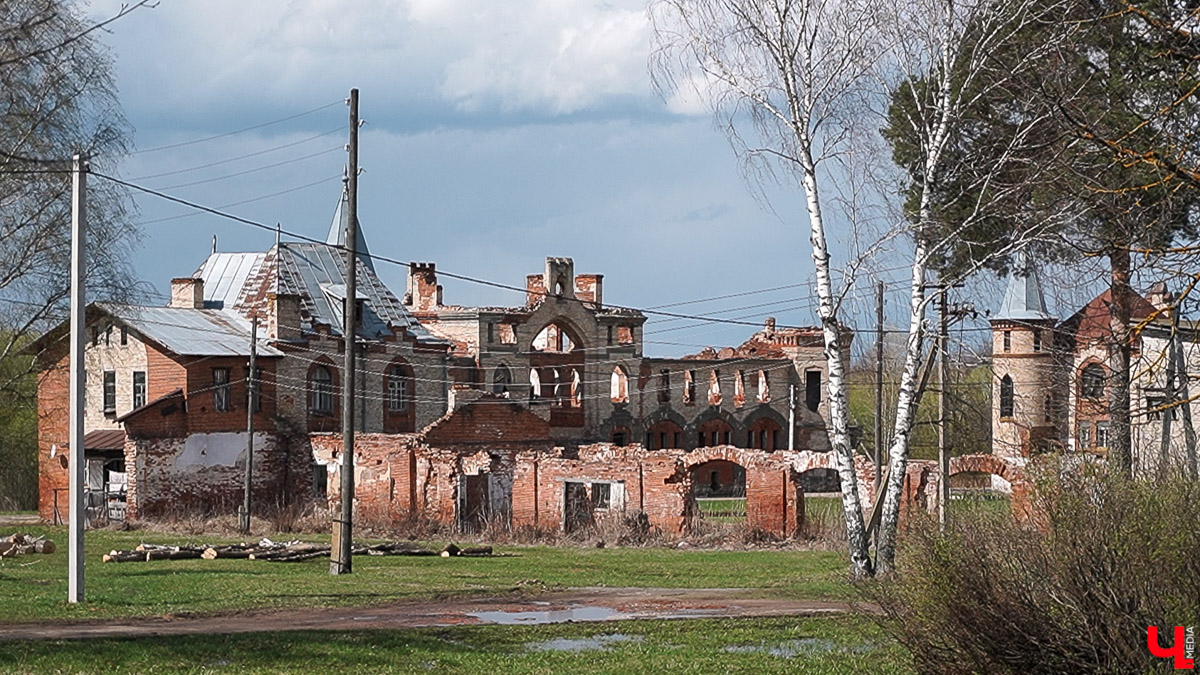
(540,56)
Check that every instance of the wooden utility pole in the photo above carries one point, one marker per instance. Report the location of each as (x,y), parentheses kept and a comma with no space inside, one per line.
(79,170)
(878,450)
(340,560)
(251,400)
(943,380)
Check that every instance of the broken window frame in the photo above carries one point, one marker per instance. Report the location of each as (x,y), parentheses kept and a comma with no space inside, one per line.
(139,389)
(1007,397)
(222,390)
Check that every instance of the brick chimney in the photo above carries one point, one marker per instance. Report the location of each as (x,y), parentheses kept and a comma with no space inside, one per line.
(283,316)
(423,294)
(187,293)
(535,289)
(590,288)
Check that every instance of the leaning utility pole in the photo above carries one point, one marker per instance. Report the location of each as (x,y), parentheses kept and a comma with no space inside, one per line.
(251,399)
(79,169)
(340,558)
(878,451)
(943,371)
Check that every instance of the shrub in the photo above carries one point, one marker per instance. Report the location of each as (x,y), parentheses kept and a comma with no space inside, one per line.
(1071,591)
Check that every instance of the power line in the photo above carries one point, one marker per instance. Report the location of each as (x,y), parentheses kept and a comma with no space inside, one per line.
(239,131)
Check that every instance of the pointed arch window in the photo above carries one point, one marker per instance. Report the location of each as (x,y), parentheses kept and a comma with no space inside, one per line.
(501,379)
(619,386)
(1006,396)
(1091,381)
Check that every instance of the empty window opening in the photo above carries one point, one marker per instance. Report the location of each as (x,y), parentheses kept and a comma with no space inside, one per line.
(664,386)
(554,338)
(535,383)
(620,436)
(764,387)
(619,386)
(1037,340)
(576,389)
(689,387)
(812,389)
(739,389)
(501,380)
(1006,396)
(1008,341)
(714,387)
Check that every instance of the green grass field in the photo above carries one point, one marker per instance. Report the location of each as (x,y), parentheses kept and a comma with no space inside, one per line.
(845,644)
(34,587)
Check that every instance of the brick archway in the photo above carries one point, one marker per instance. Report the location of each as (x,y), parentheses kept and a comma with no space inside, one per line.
(774,502)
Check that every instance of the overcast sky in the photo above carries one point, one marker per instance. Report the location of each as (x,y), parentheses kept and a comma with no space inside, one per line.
(497,133)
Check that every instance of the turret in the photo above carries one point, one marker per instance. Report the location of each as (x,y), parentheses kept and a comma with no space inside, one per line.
(1024,361)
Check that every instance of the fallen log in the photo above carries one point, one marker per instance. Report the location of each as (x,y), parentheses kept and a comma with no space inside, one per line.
(235,552)
(173,554)
(293,557)
(125,556)
(450,551)
(477,552)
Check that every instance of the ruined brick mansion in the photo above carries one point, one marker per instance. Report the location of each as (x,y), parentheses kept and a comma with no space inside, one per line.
(545,415)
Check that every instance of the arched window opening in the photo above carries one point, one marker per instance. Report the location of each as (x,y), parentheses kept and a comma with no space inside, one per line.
(535,383)
(501,380)
(689,386)
(618,389)
(554,338)
(739,389)
(576,389)
(765,434)
(1092,381)
(664,386)
(714,387)
(620,436)
(714,432)
(764,387)
(320,388)
(664,434)
(1006,396)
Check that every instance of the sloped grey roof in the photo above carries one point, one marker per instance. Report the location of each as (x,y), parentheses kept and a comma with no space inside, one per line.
(341,222)
(191,332)
(1023,298)
(316,272)
(224,275)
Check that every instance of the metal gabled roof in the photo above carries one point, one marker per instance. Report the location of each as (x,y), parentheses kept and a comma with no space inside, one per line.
(224,275)
(312,271)
(191,332)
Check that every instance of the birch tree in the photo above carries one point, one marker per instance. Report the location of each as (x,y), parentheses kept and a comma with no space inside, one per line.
(790,72)
(799,77)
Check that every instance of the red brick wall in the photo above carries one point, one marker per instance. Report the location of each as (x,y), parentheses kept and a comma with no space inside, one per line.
(53,401)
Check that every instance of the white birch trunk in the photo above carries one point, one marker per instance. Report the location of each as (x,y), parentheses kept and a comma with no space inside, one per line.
(839,437)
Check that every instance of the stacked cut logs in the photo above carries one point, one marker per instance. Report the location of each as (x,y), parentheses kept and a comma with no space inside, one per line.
(271,551)
(23,544)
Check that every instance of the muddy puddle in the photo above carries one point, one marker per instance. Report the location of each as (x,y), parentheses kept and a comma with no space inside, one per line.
(536,617)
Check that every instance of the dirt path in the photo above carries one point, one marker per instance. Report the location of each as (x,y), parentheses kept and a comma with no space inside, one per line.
(582,604)
(17,519)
